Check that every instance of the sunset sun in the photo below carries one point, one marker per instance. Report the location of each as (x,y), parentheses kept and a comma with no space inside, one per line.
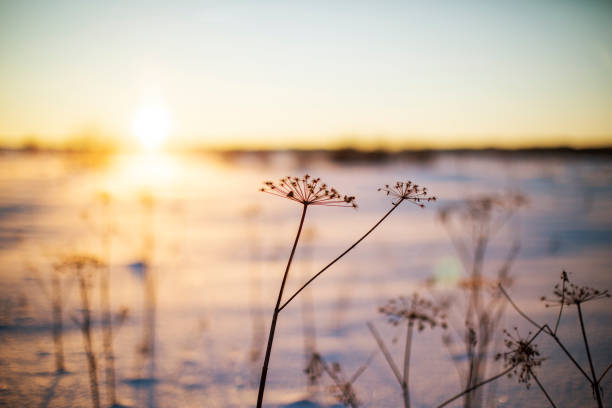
(151,124)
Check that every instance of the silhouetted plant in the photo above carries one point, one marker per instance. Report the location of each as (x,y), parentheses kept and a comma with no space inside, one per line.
(309,191)
(523,357)
(568,294)
(415,312)
(520,360)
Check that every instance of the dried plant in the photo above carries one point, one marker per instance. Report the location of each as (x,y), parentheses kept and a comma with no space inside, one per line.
(568,294)
(55,295)
(415,312)
(472,224)
(519,361)
(408,191)
(105,200)
(84,266)
(308,191)
(311,191)
(343,388)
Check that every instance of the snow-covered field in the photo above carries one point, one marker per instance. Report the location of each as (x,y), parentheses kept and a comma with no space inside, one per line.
(211,250)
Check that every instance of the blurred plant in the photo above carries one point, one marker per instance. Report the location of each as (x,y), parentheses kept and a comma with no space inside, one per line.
(84,266)
(343,389)
(568,294)
(471,225)
(310,191)
(105,200)
(416,312)
(55,295)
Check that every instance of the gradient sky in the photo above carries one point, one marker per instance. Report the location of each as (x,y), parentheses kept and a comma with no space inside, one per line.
(437,73)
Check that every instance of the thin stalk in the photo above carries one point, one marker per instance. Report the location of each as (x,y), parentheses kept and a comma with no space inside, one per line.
(588,351)
(87,343)
(542,388)
(405,380)
(385,352)
(341,255)
(107,321)
(472,388)
(107,337)
(604,374)
(57,323)
(561,308)
(277,309)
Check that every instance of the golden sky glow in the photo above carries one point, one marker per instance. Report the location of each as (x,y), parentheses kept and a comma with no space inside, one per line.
(281,74)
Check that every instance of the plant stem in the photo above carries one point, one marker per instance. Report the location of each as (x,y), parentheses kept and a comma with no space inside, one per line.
(341,255)
(385,351)
(405,384)
(468,390)
(107,336)
(277,309)
(87,342)
(542,388)
(588,351)
(58,326)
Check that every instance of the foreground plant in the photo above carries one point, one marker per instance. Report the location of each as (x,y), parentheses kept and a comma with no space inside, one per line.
(519,361)
(309,191)
(568,294)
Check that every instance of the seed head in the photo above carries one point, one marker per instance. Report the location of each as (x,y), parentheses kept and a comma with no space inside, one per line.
(414,310)
(308,191)
(523,356)
(407,191)
(571,294)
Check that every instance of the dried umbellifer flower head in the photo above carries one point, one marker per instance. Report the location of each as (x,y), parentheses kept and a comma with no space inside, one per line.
(308,191)
(570,294)
(523,356)
(407,191)
(414,310)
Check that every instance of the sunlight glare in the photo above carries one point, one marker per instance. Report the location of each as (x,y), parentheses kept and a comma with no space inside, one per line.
(151,125)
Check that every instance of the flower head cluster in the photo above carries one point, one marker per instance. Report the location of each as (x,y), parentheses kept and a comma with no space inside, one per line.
(407,191)
(484,208)
(414,310)
(571,294)
(523,356)
(308,191)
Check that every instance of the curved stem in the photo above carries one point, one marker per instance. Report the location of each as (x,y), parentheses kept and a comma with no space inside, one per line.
(341,255)
(264,369)
(448,401)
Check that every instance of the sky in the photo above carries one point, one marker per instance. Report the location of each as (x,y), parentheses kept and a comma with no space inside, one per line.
(310,73)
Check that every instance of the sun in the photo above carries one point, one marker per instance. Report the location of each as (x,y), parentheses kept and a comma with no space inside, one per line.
(151,125)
